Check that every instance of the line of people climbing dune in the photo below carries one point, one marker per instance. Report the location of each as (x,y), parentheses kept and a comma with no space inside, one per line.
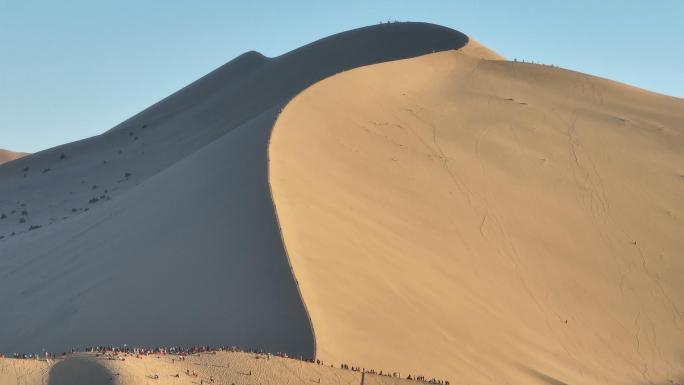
(119,353)
(420,378)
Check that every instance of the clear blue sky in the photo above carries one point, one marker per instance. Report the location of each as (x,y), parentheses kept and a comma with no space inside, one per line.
(75,68)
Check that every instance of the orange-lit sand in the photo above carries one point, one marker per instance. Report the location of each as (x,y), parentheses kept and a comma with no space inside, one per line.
(489,221)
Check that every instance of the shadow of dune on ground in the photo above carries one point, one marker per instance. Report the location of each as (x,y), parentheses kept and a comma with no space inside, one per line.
(79,371)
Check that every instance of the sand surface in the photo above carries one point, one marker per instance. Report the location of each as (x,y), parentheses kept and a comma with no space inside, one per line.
(23,372)
(488,221)
(6,155)
(223,368)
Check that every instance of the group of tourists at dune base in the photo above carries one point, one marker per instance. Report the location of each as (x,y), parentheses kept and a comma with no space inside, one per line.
(119,353)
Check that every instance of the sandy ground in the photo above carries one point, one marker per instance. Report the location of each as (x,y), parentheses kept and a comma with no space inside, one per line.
(488,221)
(23,372)
(223,368)
(6,155)
(454,215)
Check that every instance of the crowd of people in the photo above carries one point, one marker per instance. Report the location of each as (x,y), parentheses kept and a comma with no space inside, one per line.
(35,356)
(118,352)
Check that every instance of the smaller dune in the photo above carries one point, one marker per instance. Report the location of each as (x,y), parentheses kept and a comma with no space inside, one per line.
(8,156)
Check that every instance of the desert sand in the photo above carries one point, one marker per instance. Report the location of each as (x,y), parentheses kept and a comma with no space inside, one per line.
(489,221)
(396,197)
(221,367)
(7,155)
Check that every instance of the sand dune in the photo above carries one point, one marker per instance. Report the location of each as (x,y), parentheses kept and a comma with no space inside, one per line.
(162,230)
(488,221)
(6,155)
(421,205)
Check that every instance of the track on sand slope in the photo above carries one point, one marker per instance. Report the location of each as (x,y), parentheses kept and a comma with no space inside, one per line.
(162,231)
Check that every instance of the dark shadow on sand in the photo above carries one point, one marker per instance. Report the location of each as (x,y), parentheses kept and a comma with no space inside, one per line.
(76,371)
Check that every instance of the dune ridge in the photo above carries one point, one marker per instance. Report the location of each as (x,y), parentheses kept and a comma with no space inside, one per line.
(489,221)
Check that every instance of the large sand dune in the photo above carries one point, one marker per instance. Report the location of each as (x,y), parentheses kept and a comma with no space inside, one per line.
(489,221)
(162,230)
(414,208)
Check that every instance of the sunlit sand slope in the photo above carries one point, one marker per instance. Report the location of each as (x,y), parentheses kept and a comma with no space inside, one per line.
(6,155)
(23,372)
(488,221)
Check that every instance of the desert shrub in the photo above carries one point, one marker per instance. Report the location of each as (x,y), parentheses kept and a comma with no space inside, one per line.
(33,227)
(46,170)
(22,220)
(3,216)
(94,200)
(26,169)
(24,212)
(127,175)
(62,156)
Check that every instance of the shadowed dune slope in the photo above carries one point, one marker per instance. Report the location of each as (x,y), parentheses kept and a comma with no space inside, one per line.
(162,230)
(487,221)
(6,155)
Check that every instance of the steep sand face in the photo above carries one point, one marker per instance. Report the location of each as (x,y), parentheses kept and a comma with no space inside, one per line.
(475,49)
(162,230)
(487,221)
(6,155)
